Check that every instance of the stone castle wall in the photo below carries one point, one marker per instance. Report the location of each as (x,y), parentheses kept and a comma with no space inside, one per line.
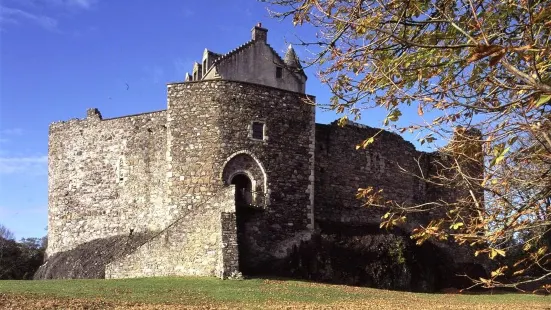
(168,173)
(140,173)
(203,244)
(341,170)
(106,177)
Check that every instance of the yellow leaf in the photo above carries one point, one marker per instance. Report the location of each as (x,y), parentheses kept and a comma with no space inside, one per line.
(518,272)
(368,142)
(499,271)
(420,110)
(495,252)
(500,252)
(543,99)
(343,121)
(456,225)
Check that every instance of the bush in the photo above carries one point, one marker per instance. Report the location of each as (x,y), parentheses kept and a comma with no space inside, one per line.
(20,260)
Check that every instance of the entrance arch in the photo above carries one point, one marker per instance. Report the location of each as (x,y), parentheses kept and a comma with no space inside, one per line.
(245,164)
(245,172)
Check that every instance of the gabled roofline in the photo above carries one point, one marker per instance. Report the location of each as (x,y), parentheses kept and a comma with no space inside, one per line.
(221,57)
(246,45)
(285,65)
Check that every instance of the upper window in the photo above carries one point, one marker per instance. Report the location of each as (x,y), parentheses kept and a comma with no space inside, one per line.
(121,169)
(258,130)
(204,67)
(279,72)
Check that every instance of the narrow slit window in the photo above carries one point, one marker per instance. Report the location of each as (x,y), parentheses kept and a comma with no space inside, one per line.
(258,130)
(279,72)
(120,168)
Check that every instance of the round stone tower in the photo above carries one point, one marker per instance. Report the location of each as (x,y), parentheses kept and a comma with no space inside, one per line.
(258,138)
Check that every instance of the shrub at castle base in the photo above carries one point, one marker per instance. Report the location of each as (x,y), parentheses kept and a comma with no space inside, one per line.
(19,260)
(369,256)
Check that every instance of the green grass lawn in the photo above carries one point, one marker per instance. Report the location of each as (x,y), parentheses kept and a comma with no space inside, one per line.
(256,293)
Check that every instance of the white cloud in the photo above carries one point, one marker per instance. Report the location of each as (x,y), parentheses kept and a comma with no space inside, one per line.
(31,164)
(11,132)
(15,16)
(83,4)
(22,11)
(5,134)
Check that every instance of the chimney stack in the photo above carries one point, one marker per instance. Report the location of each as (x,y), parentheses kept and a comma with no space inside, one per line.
(94,114)
(259,33)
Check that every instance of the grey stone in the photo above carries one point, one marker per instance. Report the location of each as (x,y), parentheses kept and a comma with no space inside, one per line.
(215,200)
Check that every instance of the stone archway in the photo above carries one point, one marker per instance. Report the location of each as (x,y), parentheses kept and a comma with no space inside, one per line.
(247,174)
(245,164)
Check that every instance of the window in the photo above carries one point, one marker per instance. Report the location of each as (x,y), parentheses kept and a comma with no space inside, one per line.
(258,130)
(120,170)
(279,72)
(204,67)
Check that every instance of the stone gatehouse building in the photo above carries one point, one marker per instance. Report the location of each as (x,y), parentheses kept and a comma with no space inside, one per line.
(234,174)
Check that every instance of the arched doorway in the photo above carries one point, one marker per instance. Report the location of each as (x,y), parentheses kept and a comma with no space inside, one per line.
(243,190)
(245,172)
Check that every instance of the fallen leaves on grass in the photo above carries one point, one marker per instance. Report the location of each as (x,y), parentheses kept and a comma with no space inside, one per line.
(24,302)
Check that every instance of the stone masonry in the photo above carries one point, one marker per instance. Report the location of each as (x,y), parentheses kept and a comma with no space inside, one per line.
(234,174)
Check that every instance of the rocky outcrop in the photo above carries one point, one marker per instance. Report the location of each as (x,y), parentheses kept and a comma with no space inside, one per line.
(88,260)
(368,256)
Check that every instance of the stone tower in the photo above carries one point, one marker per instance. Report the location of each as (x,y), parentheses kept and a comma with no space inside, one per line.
(223,130)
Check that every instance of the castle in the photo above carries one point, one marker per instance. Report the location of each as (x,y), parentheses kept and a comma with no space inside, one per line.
(234,174)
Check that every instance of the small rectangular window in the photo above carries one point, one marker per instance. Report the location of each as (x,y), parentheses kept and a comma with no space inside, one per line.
(258,131)
(279,72)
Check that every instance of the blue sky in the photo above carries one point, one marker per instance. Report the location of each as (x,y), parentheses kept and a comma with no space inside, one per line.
(60,57)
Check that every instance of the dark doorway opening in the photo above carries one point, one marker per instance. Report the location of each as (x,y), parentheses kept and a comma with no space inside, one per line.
(243,213)
(243,190)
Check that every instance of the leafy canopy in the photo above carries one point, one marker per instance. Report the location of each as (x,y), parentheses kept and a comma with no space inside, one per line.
(464,65)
